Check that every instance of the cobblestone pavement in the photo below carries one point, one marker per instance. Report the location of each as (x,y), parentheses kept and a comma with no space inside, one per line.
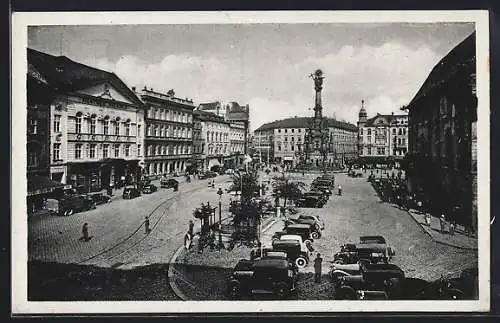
(460,239)
(56,239)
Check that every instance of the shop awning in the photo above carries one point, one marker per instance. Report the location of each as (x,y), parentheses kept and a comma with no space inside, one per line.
(41,184)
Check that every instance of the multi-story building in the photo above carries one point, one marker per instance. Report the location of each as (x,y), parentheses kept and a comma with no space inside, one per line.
(285,139)
(95,119)
(382,138)
(442,159)
(198,144)
(169,132)
(263,144)
(39,96)
(215,132)
(237,137)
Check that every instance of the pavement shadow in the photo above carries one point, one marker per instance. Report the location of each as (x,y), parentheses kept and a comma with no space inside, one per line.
(71,282)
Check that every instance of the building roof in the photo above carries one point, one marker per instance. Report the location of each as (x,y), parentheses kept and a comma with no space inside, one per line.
(303,122)
(65,75)
(389,117)
(460,58)
(208,116)
(209,106)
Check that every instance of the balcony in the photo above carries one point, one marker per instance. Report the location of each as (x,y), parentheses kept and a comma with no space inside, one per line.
(100,137)
(168,157)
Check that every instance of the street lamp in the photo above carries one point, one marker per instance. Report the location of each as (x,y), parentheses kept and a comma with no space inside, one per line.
(219,192)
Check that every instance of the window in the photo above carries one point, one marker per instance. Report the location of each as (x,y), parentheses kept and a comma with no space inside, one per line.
(105,151)
(56,152)
(105,126)
(92,125)
(78,123)
(117,127)
(293,130)
(279,130)
(380,151)
(400,131)
(156,130)
(279,148)
(300,130)
(127,129)
(292,138)
(78,151)
(286,130)
(369,150)
(286,138)
(117,150)
(92,150)
(138,149)
(33,126)
(404,131)
(139,130)
(127,150)
(33,158)
(369,132)
(57,123)
(293,147)
(393,131)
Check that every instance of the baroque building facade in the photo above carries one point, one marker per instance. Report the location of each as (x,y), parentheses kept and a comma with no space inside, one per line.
(442,159)
(382,138)
(169,132)
(95,122)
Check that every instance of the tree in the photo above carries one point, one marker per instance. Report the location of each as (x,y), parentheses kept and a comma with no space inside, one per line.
(203,214)
(286,189)
(246,183)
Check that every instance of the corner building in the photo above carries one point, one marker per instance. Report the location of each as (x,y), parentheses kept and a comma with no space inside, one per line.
(95,124)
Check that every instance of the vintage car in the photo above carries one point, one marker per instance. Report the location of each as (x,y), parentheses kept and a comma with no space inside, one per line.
(374,248)
(296,254)
(348,254)
(316,219)
(318,194)
(288,254)
(310,201)
(99,198)
(69,205)
(321,182)
(315,225)
(306,231)
(131,192)
(169,183)
(372,277)
(262,276)
(149,188)
(324,189)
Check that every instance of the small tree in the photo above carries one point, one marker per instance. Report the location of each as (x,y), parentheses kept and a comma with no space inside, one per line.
(203,214)
(286,189)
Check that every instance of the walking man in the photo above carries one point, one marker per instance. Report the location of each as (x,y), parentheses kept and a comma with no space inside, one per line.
(318,261)
(340,190)
(85,232)
(428,220)
(146,225)
(452,228)
(442,222)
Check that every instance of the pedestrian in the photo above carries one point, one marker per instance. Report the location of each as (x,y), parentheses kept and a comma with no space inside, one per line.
(146,225)
(317,268)
(452,228)
(419,206)
(191,228)
(85,232)
(340,190)
(442,222)
(428,220)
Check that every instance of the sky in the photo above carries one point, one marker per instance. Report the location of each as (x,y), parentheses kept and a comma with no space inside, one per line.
(266,65)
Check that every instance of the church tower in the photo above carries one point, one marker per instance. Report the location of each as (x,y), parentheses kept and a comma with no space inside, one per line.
(362,117)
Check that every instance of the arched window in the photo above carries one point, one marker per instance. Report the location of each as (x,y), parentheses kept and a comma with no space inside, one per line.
(105,125)
(78,123)
(93,122)
(117,126)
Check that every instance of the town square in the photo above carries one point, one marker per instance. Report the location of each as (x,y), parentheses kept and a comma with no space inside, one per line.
(252,162)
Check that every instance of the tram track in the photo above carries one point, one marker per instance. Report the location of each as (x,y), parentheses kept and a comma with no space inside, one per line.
(131,241)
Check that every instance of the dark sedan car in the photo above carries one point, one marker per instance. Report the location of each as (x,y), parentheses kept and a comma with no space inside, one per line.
(310,201)
(99,198)
(149,188)
(169,183)
(131,192)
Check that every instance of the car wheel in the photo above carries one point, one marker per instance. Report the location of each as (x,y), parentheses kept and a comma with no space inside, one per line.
(315,235)
(301,262)
(281,290)
(339,261)
(234,289)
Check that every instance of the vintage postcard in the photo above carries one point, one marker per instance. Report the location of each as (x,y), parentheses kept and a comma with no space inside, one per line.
(237,162)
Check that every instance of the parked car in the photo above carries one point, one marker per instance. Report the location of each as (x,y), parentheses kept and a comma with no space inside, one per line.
(69,205)
(294,251)
(348,254)
(270,253)
(131,192)
(149,188)
(320,194)
(315,226)
(306,231)
(310,201)
(316,218)
(99,198)
(262,276)
(375,248)
(169,183)
(372,277)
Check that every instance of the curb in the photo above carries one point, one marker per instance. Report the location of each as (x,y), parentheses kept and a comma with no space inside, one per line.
(438,241)
(170,275)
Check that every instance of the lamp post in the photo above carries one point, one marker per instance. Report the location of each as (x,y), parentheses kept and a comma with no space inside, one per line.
(219,192)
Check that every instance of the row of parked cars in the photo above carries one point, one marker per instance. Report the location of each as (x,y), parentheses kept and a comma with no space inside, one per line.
(318,195)
(274,269)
